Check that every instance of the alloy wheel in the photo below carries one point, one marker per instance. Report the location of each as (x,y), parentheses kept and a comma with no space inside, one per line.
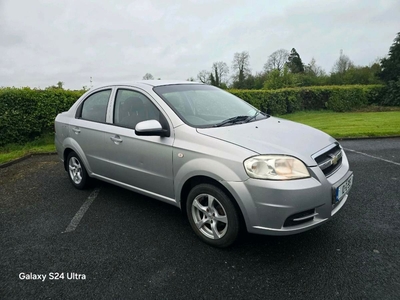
(209,216)
(75,170)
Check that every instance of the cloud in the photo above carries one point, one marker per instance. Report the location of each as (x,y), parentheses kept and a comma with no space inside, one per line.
(44,41)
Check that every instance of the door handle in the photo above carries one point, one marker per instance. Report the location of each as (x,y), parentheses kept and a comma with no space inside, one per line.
(116,139)
(76,130)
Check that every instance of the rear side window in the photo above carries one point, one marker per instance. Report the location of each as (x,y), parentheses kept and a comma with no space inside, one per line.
(94,108)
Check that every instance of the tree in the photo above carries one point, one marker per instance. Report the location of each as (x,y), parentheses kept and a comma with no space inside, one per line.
(220,70)
(212,80)
(339,69)
(313,69)
(391,64)
(280,79)
(313,75)
(294,62)
(59,85)
(148,76)
(241,66)
(204,76)
(277,60)
(190,79)
(390,74)
(362,75)
(342,64)
(258,80)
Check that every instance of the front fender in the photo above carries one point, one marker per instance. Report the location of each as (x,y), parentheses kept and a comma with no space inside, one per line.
(208,168)
(231,178)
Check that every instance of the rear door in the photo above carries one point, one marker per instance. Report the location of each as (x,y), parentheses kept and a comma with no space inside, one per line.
(144,162)
(88,127)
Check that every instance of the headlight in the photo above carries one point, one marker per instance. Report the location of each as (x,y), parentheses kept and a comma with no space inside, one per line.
(275,167)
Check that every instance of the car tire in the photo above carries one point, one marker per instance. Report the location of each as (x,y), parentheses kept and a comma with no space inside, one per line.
(76,171)
(212,215)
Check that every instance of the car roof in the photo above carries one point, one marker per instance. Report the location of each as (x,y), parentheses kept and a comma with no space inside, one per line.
(148,83)
(165,82)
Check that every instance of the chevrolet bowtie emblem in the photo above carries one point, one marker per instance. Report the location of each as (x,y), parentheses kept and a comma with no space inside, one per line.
(334,159)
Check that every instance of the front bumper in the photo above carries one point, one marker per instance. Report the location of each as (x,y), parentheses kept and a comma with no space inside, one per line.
(288,207)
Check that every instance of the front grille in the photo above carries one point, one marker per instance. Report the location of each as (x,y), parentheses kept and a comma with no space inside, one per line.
(300,218)
(330,160)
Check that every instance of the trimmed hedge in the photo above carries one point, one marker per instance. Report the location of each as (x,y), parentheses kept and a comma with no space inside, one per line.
(336,98)
(28,113)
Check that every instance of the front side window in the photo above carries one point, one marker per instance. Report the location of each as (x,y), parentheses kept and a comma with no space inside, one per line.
(206,106)
(132,107)
(94,108)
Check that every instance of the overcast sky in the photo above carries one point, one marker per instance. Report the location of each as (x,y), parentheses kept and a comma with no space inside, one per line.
(46,41)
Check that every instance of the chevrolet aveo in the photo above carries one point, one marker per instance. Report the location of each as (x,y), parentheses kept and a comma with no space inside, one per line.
(224,163)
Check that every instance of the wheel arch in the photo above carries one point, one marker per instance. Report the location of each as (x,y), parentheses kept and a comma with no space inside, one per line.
(71,145)
(200,179)
(67,151)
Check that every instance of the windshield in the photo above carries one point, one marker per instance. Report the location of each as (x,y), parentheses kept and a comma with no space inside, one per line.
(207,106)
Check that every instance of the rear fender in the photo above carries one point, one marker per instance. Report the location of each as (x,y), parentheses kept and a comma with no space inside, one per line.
(70,143)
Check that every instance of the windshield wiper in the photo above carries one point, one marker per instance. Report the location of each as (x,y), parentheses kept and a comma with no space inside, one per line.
(255,116)
(232,120)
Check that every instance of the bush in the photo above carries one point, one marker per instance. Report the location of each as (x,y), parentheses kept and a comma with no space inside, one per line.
(28,113)
(347,99)
(336,98)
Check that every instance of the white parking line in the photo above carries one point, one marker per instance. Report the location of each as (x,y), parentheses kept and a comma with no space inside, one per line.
(79,215)
(365,154)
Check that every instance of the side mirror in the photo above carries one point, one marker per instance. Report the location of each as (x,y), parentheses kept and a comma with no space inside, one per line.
(150,128)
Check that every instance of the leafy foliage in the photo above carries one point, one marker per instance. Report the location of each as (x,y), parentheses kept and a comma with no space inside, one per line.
(356,75)
(294,63)
(391,64)
(278,80)
(28,113)
(288,100)
(391,93)
(276,76)
(390,73)
(314,76)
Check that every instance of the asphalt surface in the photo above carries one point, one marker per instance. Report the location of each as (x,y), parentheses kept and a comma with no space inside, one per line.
(132,247)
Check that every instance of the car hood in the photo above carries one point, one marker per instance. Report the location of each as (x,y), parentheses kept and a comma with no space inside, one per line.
(274,136)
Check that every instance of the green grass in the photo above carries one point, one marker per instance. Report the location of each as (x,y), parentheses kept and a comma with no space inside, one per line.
(43,144)
(354,124)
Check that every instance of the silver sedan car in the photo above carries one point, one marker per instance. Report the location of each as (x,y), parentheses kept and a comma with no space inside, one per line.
(226,164)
